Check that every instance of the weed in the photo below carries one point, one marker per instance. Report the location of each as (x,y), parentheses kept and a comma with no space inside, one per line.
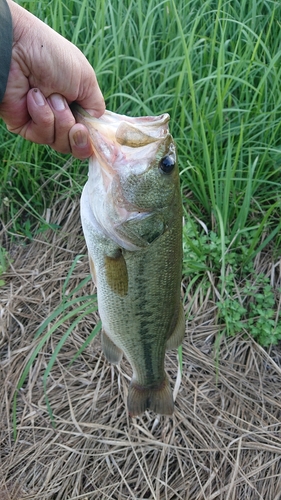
(246,300)
(4,263)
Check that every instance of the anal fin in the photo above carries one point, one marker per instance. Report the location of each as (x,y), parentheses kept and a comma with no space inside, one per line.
(158,398)
(176,338)
(112,353)
(93,271)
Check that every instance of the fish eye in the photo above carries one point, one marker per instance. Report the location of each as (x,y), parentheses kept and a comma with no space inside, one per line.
(167,164)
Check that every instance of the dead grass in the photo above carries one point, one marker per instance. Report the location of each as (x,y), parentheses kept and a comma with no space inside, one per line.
(223,442)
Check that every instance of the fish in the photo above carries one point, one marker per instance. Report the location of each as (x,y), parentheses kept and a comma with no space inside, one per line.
(131,213)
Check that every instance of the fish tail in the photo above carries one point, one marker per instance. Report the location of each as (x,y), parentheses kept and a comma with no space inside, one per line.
(157,398)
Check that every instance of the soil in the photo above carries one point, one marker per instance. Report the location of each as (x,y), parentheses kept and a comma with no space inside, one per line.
(68,435)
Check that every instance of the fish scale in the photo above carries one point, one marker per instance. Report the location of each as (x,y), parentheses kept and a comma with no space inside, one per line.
(132,221)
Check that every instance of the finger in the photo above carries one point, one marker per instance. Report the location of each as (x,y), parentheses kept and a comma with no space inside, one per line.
(89,94)
(53,123)
(30,116)
(93,100)
(64,121)
(40,128)
(80,143)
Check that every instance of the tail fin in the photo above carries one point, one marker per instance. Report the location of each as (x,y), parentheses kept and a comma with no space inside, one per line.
(158,399)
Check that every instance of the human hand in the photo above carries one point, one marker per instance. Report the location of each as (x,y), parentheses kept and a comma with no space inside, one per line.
(47,73)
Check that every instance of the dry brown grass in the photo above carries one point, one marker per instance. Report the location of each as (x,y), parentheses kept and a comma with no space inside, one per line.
(223,441)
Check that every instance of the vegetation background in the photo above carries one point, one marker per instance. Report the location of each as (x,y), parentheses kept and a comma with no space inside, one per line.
(215,66)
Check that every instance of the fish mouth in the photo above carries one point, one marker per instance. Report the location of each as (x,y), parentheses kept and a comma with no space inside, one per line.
(118,141)
(115,137)
(132,131)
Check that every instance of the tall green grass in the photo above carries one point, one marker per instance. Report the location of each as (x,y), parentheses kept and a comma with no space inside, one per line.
(215,66)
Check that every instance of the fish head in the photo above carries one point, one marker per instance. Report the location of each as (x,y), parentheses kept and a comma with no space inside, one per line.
(133,176)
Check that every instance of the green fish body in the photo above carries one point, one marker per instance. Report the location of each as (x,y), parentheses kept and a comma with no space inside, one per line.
(132,221)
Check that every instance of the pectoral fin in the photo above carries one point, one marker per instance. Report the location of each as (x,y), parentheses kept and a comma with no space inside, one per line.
(117,274)
(177,336)
(112,353)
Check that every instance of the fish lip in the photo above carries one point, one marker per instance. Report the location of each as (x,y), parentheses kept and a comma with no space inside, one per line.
(155,121)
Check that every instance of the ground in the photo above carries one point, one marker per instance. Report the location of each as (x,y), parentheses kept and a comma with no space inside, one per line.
(223,441)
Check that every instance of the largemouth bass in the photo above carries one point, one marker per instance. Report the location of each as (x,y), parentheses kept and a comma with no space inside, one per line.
(132,221)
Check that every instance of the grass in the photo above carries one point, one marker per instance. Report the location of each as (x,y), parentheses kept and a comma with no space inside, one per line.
(215,67)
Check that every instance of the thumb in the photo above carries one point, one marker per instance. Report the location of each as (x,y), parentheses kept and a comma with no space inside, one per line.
(90,96)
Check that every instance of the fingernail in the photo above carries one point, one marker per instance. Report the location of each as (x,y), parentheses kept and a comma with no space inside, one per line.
(57,102)
(80,138)
(38,97)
